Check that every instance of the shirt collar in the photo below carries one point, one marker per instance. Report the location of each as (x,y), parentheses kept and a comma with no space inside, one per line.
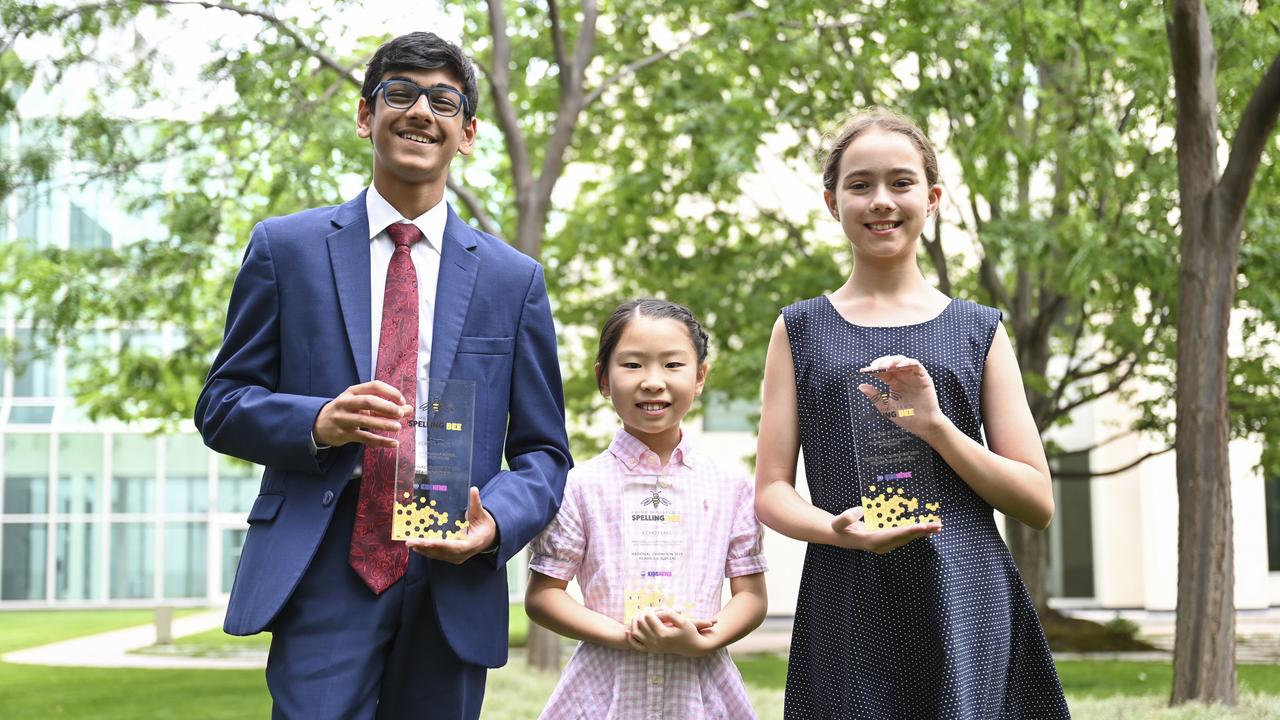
(637,456)
(381,215)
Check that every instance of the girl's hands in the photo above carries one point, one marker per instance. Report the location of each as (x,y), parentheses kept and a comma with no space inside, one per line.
(909,387)
(854,535)
(669,632)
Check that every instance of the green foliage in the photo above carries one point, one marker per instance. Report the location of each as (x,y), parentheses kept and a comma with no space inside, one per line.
(1057,117)
(1121,629)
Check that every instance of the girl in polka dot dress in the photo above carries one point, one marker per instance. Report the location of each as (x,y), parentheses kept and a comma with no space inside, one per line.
(928,619)
(650,528)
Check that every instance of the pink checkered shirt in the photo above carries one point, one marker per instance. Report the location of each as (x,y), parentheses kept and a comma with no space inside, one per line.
(586,541)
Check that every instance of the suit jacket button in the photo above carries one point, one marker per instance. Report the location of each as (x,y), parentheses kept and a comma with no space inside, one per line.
(328,498)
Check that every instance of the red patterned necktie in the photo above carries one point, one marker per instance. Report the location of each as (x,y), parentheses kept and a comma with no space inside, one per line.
(376,558)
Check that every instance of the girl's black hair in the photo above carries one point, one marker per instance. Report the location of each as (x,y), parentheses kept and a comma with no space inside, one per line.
(650,308)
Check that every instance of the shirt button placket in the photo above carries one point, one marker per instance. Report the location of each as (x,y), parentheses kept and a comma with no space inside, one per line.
(656,670)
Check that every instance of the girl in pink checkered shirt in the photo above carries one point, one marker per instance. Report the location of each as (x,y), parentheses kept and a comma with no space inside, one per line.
(650,528)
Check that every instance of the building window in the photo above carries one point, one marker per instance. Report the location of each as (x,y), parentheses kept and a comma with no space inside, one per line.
(86,233)
(725,415)
(237,486)
(232,545)
(78,574)
(1070,561)
(22,574)
(185,559)
(132,560)
(79,473)
(133,474)
(35,216)
(33,372)
(26,474)
(186,477)
(1273,523)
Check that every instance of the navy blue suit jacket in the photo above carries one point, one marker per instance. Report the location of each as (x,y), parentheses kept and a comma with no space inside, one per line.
(298,334)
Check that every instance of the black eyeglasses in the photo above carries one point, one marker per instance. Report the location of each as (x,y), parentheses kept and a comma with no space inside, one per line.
(402,94)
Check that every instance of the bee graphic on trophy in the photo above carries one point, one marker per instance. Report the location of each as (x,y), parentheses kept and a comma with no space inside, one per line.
(884,397)
(887,400)
(655,499)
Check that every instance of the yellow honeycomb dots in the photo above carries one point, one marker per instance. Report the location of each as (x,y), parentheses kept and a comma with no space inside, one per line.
(637,600)
(891,508)
(423,521)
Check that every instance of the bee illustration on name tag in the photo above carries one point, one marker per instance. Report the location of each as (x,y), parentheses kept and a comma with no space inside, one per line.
(655,499)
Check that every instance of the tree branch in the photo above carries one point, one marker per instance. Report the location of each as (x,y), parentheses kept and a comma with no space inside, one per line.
(1091,396)
(573,77)
(271,19)
(473,205)
(937,255)
(636,66)
(1095,446)
(1067,376)
(557,44)
(1256,124)
(988,276)
(1115,471)
(794,231)
(1194,79)
(499,77)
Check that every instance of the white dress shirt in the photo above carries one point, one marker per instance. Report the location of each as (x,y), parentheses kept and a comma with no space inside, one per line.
(426,264)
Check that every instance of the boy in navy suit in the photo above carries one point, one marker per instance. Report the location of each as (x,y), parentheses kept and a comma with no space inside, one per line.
(338,318)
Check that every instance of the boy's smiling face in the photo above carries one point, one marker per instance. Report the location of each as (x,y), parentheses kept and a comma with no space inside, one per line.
(413,147)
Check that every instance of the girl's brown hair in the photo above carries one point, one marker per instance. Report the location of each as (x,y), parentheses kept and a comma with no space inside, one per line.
(879,119)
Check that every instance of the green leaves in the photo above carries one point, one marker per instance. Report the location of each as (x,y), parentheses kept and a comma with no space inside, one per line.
(694,175)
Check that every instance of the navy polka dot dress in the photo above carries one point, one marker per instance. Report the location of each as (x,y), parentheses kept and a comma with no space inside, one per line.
(942,627)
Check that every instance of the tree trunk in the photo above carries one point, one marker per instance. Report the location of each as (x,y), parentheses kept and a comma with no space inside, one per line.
(1030,552)
(1030,547)
(1204,650)
(1204,665)
(544,648)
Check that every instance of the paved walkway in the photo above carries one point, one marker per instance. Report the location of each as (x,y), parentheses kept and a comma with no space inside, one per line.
(1258,632)
(113,649)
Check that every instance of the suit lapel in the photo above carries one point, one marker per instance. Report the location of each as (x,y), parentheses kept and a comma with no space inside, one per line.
(349,257)
(458,266)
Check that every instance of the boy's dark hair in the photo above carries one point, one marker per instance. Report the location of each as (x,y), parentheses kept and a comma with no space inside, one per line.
(655,308)
(421,51)
(880,119)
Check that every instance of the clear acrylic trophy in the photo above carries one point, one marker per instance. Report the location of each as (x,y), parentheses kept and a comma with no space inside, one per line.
(655,532)
(431,493)
(895,468)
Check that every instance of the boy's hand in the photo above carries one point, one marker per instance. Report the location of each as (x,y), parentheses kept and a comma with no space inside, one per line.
(669,632)
(855,536)
(359,414)
(482,530)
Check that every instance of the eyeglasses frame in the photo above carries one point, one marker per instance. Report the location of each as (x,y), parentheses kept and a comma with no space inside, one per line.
(428,91)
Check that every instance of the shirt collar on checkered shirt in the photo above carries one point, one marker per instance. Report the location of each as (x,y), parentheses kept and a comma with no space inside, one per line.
(637,456)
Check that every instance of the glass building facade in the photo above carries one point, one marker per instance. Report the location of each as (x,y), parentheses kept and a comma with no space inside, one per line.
(99,513)
(102,513)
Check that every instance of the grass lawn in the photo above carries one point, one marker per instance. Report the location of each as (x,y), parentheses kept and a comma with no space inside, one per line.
(32,691)
(215,643)
(1105,690)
